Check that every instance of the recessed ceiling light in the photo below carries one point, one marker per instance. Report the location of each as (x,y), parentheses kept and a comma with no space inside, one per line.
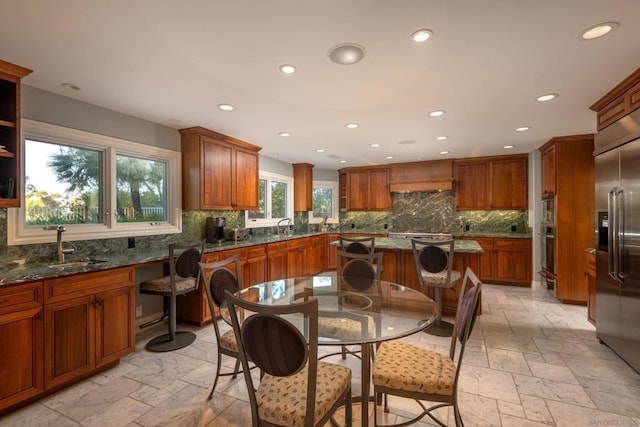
(599,30)
(284,134)
(508,146)
(407,142)
(319,150)
(352,125)
(421,35)
(444,152)
(523,128)
(437,113)
(374,145)
(346,54)
(547,97)
(288,68)
(389,157)
(70,86)
(441,138)
(343,161)
(226,107)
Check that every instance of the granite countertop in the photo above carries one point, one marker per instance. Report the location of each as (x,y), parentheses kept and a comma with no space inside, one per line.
(13,272)
(460,246)
(488,234)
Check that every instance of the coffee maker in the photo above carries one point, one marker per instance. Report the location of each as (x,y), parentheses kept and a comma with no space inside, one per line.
(215,229)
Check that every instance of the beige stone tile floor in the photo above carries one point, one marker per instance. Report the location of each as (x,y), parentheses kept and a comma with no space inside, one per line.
(531,361)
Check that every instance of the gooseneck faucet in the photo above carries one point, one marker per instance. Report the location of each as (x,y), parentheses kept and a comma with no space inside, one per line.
(287,230)
(60,251)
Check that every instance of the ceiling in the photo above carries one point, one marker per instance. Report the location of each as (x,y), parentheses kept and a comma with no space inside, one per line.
(173,62)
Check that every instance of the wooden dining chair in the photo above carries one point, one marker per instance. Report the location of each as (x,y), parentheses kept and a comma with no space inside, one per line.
(434,267)
(296,389)
(404,370)
(183,278)
(217,278)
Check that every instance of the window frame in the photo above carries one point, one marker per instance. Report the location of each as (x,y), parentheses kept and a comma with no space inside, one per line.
(268,221)
(335,212)
(19,233)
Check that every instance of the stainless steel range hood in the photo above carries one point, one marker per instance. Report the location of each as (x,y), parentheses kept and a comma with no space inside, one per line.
(620,132)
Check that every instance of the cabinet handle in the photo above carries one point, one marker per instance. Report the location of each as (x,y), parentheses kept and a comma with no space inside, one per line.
(40,315)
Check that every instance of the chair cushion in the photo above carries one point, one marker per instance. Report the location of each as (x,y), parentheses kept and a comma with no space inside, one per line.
(163,284)
(403,366)
(228,341)
(440,279)
(282,400)
(343,328)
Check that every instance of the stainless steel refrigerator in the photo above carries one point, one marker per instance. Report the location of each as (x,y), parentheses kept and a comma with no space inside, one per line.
(618,238)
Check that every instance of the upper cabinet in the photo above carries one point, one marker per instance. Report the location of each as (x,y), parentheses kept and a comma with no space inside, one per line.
(218,172)
(619,102)
(432,175)
(498,182)
(302,187)
(365,189)
(10,151)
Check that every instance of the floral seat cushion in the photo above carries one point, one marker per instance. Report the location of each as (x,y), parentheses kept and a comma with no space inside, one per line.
(228,341)
(403,366)
(440,279)
(344,328)
(163,284)
(282,400)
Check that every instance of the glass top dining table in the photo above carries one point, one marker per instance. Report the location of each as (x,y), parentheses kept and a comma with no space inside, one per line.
(351,312)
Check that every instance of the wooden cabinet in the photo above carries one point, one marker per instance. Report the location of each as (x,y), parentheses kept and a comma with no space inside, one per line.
(365,189)
(302,187)
(590,274)
(332,251)
(574,211)
(505,260)
(10,156)
(316,258)
(89,322)
(619,101)
(21,338)
(548,171)
(218,172)
(498,182)
(433,175)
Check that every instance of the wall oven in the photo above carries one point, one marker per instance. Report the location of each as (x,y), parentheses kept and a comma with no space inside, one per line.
(548,256)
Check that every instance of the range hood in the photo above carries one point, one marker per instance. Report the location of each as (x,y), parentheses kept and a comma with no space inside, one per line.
(432,175)
(618,133)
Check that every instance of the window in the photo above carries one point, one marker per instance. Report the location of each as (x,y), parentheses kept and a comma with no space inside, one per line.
(275,200)
(98,186)
(325,202)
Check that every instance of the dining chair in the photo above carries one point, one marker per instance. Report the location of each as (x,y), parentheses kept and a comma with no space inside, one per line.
(296,389)
(434,267)
(217,277)
(184,277)
(404,370)
(357,245)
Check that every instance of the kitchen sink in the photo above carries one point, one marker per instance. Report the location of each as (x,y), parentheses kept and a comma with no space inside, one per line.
(71,264)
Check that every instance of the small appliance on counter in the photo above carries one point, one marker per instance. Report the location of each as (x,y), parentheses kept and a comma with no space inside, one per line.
(238,234)
(214,229)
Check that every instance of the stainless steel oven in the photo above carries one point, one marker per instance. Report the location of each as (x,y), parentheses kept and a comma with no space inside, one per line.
(548,255)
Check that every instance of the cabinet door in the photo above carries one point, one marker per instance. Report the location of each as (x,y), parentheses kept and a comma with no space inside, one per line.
(277,260)
(115,324)
(316,258)
(485,267)
(332,252)
(379,192)
(513,261)
(68,336)
(548,172)
(508,184)
(21,357)
(255,270)
(358,190)
(246,176)
(216,179)
(472,186)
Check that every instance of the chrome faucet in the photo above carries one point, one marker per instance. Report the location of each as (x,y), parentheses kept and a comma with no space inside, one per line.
(60,251)
(287,230)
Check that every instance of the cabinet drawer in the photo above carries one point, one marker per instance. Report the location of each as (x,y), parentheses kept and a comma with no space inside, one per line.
(297,243)
(273,248)
(21,297)
(514,244)
(256,252)
(74,286)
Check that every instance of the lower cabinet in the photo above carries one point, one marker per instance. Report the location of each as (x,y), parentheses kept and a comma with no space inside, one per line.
(21,338)
(52,332)
(332,251)
(505,260)
(89,322)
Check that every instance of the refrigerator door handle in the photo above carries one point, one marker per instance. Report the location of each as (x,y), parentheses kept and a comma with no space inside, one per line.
(620,274)
(611,258)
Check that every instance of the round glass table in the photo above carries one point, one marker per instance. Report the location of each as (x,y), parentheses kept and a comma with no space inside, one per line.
(351,312)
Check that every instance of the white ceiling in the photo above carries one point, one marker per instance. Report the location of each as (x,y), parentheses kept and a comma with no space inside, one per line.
(173,62)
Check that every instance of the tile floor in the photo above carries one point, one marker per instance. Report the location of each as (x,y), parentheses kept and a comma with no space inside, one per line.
(531,361)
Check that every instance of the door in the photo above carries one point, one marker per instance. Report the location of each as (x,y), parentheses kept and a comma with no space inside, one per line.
(607,289)
(630,251)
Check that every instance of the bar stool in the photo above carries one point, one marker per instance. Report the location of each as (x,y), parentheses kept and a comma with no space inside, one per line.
(434,266)
(184,277)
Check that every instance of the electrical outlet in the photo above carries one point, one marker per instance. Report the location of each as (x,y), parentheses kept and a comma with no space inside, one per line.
(131,242)
(139,311)
(467,227)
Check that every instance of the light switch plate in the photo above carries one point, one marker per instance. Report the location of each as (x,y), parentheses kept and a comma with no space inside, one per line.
(139,311)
